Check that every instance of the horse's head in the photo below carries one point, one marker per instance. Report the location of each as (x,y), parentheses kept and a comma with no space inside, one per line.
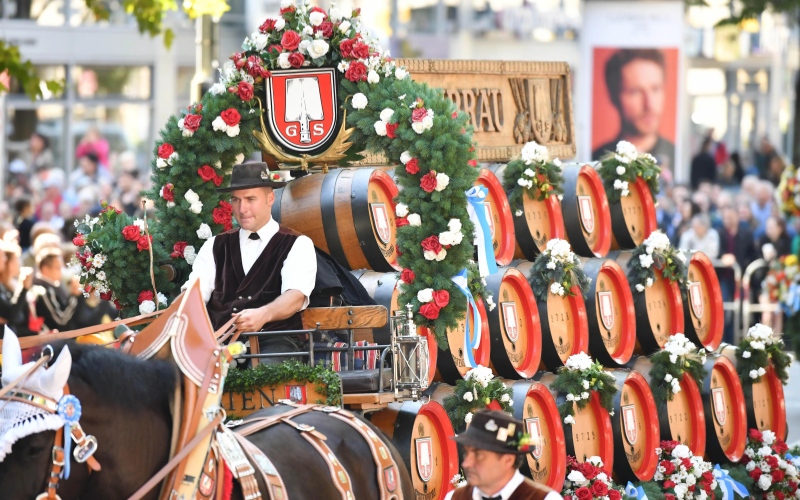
(27,425)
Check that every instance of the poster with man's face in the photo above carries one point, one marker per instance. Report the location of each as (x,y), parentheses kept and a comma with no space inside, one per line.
(634,98)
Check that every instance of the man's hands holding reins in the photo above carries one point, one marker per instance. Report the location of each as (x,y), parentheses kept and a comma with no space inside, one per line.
(252,320)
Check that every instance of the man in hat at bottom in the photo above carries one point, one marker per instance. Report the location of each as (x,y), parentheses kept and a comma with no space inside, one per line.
(495,445)
(262,273)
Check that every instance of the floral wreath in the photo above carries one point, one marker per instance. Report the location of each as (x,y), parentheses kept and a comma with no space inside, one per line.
(587,481)
(413,125)
(623,167)
(758,347)
(577,378)
(678,357)
(681,474)
(773,471)
(533,174)
(479,389)
(556,270)
(656,252)
(788,192)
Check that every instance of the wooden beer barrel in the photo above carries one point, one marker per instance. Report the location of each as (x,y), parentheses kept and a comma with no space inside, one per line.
(565,328)
(536,407)
(540,222)
(659,309)
(514,325)
(421,433)
(724,404)
(382,287)
(348,213)
(498,213)
(635,427)
(585,209)
(591,434)
(683,419)
(610,312)
(450,363)
(765,401)
(703,314)
(633,217)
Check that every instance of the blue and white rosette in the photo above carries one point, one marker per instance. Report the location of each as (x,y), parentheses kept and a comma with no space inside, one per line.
(636,492)
(728,485)
(483,233)
(69,409)
(791,302)
(470,341)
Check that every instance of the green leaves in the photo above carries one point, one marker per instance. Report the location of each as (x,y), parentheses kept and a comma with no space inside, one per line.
(24,72)
(329,383)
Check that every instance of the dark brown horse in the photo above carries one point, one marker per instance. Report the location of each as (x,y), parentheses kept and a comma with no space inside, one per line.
(126,406)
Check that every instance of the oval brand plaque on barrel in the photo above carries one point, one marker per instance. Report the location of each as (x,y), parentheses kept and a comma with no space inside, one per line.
(703,311)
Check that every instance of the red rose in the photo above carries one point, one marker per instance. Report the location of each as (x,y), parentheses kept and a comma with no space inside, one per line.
(428,182)
(276,48)
(755,474)
(267,26)
(145,295)
(231,117)
(296,59)
(583,493)
(106,295)
(408,276)
(588,470)
(669,467)
(346,47)
(117,305)
(779,495)
(401,221)
(472,163)
(669,484)
(418,114)
(192,122)
(778,475)
(285,10)
(78,241)
(707,476)
(165,150)
(568,497)
(357,72)
(599,489)
(431,244)
(668,446)
(772,461)
(454,115)
(206,173)
(360,51)
(177,250)
(320,10)
(218,181)
(131,233)
(245,91)
(144,243)
(780,447)
(391,128)
(756,435)
(168,192)
(441,298)
(225,207)
(412,166)
(669,496)
(290,40)
(429,310)
(614,495)
(686,463)
(326,28)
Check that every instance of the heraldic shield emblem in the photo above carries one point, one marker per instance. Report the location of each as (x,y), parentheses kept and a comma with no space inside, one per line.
(535,430)
(696,299)
(718,402)
(606,303)
(424,450)
(629,423)
(302,112)
(587,215)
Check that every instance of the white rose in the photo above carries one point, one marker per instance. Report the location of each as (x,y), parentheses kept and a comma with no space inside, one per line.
(147,307)
(316,18)
(280,23)
(401,210)
(344,27)
(161,163)
(646,260)
(620,170)
(648,282)
(387,114)
(232,131)
(203,232)
(442,180)
(761,371)
(468,417)
(673,358)
(283,60)
(569,420)
(768,436)
(260,41)
(585,384)
(285,4)
(400,74)
(765,481)
(468,397)
(359,101)
(504,398)
(454,225)
(219,124)
(307,31)
(304,45)
(753,374)
(429,255)
(425,295)
(528,172)
(441,255)
(577,477)
(335,14)
(418,127)
(427,122)
(414,220)
(217,89)
(668,378)
(570,397)
(162,299)
(191,196)
(318,48)
(373,77)
(196,207)
(189,254)
(405,156)
(380,128)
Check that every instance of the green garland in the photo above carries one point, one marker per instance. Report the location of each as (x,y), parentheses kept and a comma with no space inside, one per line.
(656,252)
(476,391)
(755,352)
(577,379)
(621,168)
(328,382)
(556,270)
(542,177)
(678,357)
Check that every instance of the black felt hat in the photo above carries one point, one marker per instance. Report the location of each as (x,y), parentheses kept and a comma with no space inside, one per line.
(251,175)
(496,431)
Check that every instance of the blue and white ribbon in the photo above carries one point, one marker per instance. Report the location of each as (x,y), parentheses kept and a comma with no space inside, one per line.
(635,491)
(69,409)
(470,341)
(728,485)
(794,460)
(483,232)
(791,302)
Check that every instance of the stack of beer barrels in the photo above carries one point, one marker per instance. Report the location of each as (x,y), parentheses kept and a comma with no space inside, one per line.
(350,214)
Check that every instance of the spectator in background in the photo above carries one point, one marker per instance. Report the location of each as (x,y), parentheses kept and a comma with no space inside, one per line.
(703,168)
(776,168)
(701,236)
(128,188)
(737,169)
(55,305)
(762,206)
(89,174)
(688,209)
(23,221)
(93,142)
(736,240)
(724,201)
(763,157)
(14,285)
(52,186)
(48,214)
(775,242)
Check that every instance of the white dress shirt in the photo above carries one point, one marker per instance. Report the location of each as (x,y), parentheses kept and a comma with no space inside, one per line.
(507,490)
(299,271)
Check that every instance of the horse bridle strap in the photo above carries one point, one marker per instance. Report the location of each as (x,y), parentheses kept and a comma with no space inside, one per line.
(56,466)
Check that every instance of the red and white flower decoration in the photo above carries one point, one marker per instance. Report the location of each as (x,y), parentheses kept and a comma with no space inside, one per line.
(765,462)
(189,124)
(587,481)
(168,193)
(682,475)
(228,122)
(195,205)
(166,155)
(421,118)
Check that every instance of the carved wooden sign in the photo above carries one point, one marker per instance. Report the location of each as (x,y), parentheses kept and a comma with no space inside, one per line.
(509,103)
